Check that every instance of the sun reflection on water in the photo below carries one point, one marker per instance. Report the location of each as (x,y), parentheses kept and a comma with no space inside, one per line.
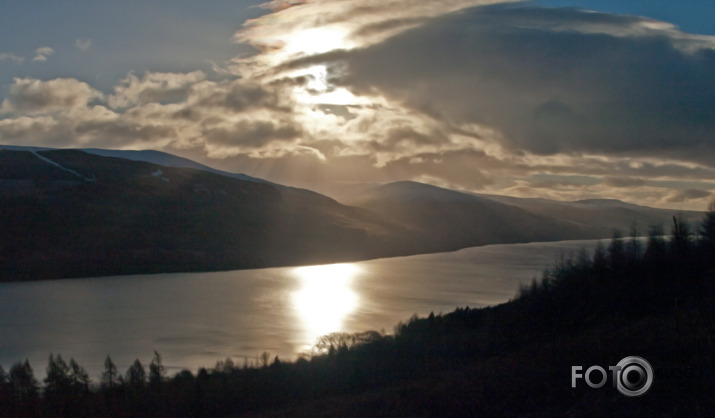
(325,298)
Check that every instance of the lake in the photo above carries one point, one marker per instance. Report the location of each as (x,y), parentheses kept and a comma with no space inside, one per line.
(195,319)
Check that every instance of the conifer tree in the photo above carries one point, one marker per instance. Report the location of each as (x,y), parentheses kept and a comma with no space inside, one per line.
(57,381)
(707,234)
(136,375)
(157,372)
(110,375)
(79,377)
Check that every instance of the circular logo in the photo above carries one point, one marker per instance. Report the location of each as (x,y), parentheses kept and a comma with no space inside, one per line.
(634,377)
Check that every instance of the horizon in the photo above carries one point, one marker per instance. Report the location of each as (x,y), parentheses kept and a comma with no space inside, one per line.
(526,99)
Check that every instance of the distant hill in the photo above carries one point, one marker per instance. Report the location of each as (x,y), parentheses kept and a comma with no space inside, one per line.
(600,215)
(446,219)
(452,219)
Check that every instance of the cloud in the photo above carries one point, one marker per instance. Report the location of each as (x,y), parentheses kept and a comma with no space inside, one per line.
(42,53)
(297,29)
(11,57)
(251,134)
(552,80)
(83,44)
(153,87)
(31,96)
(680,196)
(623,182)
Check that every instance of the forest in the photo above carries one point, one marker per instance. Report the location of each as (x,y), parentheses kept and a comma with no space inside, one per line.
(653,298)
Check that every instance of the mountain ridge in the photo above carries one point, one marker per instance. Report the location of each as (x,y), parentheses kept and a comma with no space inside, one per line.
(119,217)
(77,213)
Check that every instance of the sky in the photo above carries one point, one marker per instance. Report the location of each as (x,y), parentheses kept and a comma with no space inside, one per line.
(558,99)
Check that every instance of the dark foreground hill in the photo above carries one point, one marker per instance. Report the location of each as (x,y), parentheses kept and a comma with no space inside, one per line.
(654,301)
(67,213)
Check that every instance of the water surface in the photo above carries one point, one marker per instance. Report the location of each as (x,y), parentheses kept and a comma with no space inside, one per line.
(194,319)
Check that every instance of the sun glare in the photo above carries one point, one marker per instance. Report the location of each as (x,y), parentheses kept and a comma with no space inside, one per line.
(316,41)
(325,297)
(318,78)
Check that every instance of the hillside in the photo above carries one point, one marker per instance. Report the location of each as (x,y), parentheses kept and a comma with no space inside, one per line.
(447,219)
(78,213)
(68,213)
(601,215)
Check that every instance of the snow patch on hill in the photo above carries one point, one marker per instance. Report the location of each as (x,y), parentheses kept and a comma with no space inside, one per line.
(48,161)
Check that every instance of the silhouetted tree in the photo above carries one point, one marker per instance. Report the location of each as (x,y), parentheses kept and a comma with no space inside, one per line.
(616,252)
(656,248)
(57,382)
(24,387)
(225,366)
(79,378)
(136,375)
(4,394)
(110,375)
(265,358)
(682,235)
(600,259)
(157,372)
(633,248)
(707,235)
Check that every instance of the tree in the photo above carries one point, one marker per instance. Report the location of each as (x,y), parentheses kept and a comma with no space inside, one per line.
(265,358)
(156,370)
(22,379)
(110,375)
(616,252)
(23,388)
(600,260)
(681,237)
(79,378)
(136,375)
(57,381)
(707,233)
(656,249)
(4,393)
(634,245)
(225,366)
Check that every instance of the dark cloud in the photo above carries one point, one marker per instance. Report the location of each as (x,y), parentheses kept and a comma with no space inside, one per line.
(553,80)
(685,195)
(251,133)
(238,96)
(623,182)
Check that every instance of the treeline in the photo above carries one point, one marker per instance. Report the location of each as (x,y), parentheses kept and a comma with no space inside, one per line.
(653,298)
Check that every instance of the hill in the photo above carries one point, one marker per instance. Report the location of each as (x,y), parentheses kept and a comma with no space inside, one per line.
(448,219)
(78,213)
(600,215)
(69,213)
